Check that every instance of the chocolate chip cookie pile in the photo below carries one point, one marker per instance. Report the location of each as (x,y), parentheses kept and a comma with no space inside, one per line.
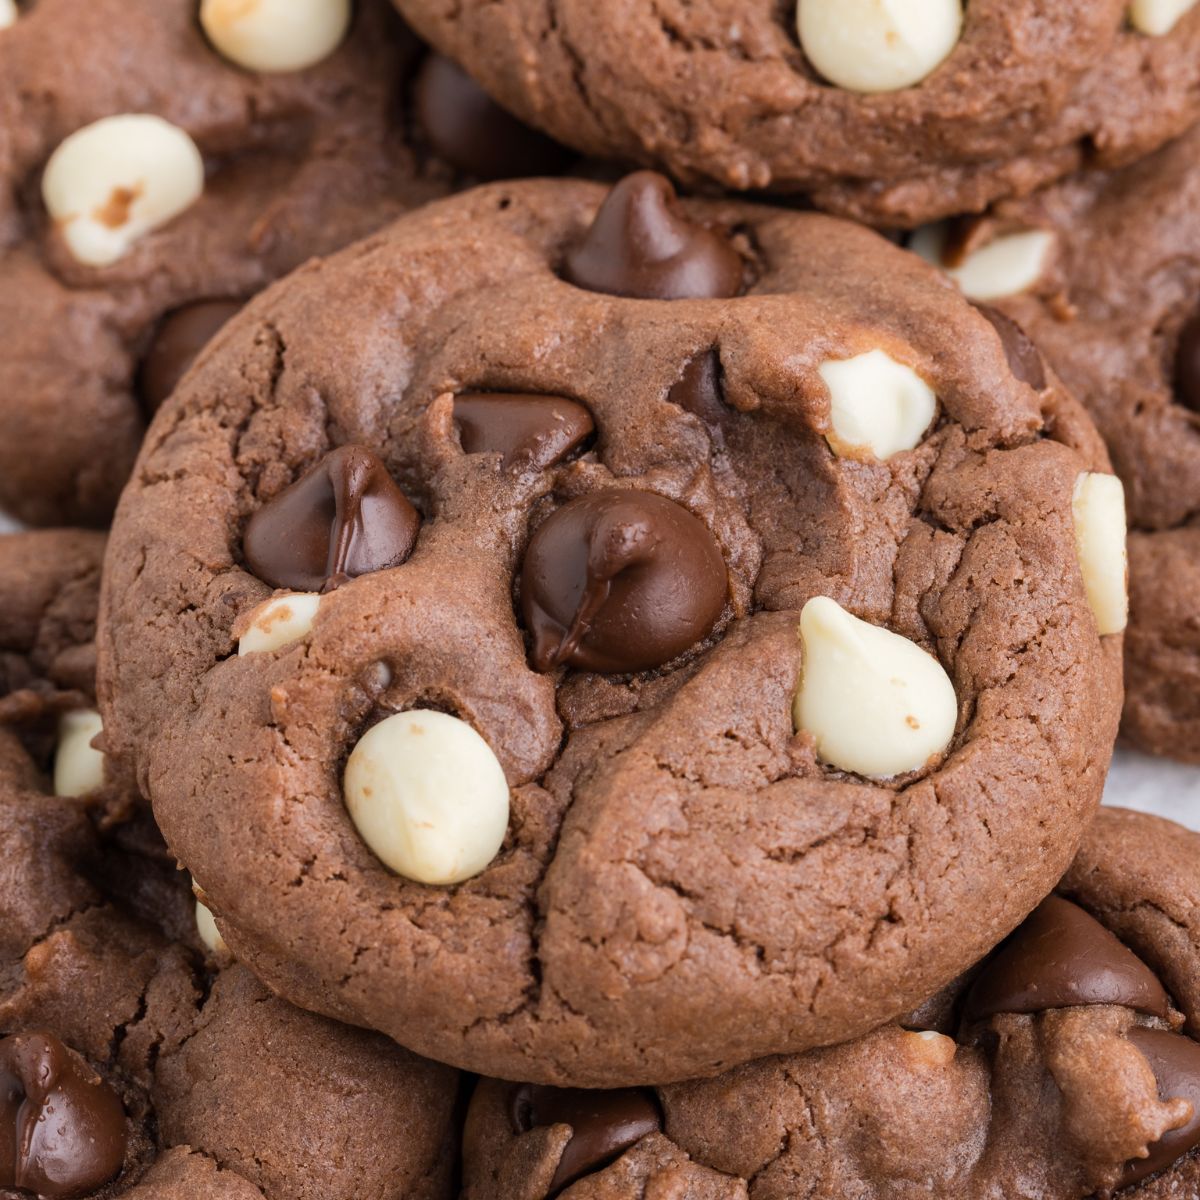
(593,691)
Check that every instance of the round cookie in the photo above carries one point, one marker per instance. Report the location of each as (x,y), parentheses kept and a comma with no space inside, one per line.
(876,751)
(983,1092)
(151,181)
(893,113)
(1103,271)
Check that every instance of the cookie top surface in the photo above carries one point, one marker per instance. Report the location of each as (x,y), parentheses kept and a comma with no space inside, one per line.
(683,880)
(1065,1086)
(115,271)
(894,114)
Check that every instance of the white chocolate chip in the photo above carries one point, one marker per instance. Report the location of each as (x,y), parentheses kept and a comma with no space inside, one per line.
(931,1048)
(8,13)
(1098,505)
(206,926)
(878,45)
(280,621)
(876,703)
(275,35)
(78,767)
(112,182)
(1157,17)
(877,406)
(428,796)
(1006,266)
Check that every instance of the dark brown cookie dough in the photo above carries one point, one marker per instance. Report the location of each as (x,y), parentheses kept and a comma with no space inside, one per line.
(722,91)
(296,164)
(1050,1093)
(1114,310)
(683,884)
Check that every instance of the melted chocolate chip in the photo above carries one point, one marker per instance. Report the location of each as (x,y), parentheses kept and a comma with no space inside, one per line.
(467,128)
(699,391)
(1024,361)
(180,337)
(1062,957)
(620,581)
(532,432)
(1175,1061)
(603,1124)
(343,519)
(1187,365)
(62,1128)
(642,244)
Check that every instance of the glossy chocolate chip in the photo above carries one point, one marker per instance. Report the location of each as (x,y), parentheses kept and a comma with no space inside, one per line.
(1187,365)
(1024,360)
(532,432)
(642,244)
(467,128)
(698,390)
(1175,1061)
(620,581)
(180,337)
(603,1124)
(1062,957)
(343,519)
(62,1128)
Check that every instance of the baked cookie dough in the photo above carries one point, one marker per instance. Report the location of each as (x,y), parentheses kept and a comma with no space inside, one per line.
(891,112)
(1064,1068)
(597,638)
(1104,272)
(163,160)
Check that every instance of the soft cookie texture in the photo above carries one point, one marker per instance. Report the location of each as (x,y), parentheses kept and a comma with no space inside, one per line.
(1116,309)
(1063,1068)
(683,884)
(888,110)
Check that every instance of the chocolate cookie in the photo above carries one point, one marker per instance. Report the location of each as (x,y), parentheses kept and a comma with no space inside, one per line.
(1064,1068)
(684,653)
(1104,272)
(162,161)
(894,113)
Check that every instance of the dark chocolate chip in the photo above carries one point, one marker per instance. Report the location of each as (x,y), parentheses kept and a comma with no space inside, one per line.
(468,129)
(1062,957)
(698,390)
(1187,365)
(343,519)
(180,337)
(62,1127)
(1024,360)
(619,581)
(1175,1061)
(603,1124)
(642,244)
(532,432)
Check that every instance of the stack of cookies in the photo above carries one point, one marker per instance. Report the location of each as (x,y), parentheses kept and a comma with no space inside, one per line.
(587,564)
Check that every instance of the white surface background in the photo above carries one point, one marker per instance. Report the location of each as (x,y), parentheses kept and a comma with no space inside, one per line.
(1136,781)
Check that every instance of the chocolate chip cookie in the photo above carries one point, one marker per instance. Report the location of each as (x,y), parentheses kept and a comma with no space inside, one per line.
(1065,1067)
(162,161)
(894,113)
(1104,273)
(599,638)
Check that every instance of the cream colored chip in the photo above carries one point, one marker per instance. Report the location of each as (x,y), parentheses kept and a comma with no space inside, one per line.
(1010,264)
(1100,537)
(930,1048)
(8,13)
(1157,17)
(878,45)
(877,406)
(78,767)
(428,796)
(275,35)
(206,926)
(875,703)
(112,182)
(280,621)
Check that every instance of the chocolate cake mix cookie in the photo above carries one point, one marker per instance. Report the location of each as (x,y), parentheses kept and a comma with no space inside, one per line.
(891,112)
(160,162)
(598,638)
(1064,1068)
(1104,272)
